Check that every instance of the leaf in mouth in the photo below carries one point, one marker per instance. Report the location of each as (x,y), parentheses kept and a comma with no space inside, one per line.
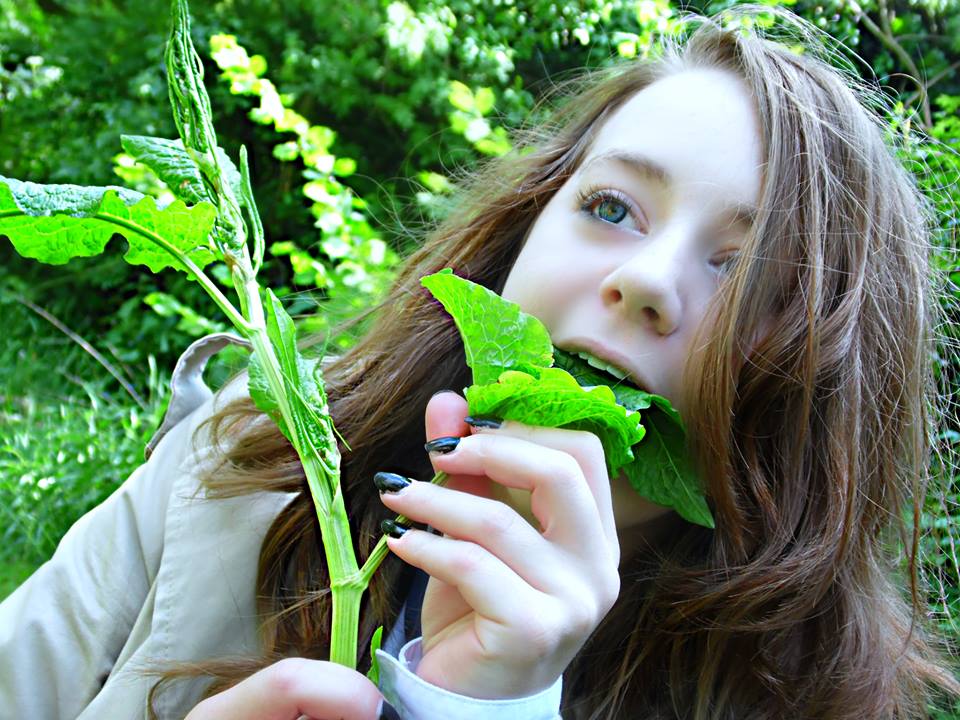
(518,375)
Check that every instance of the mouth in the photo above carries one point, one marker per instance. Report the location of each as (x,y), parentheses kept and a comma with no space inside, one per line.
(609,372)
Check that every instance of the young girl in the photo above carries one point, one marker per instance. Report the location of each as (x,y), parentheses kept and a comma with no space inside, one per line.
(726,226)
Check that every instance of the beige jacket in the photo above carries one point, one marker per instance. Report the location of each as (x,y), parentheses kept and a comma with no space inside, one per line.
(154,573)
(158,573)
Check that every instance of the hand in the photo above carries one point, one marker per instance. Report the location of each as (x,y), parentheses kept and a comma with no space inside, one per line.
(508,606)
(294,688)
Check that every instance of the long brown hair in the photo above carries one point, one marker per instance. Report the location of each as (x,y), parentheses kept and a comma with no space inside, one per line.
(811,424)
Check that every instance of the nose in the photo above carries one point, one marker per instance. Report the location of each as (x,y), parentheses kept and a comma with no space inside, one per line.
(646,286)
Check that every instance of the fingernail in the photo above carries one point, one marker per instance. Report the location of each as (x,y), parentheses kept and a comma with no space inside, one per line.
(380,709)
(390,482)
(442,445)
(490,423)
(393,529)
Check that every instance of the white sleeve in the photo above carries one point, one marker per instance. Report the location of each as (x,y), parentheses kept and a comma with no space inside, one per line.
(415,699)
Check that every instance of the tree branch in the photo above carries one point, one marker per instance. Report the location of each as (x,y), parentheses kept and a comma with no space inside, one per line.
(886,36)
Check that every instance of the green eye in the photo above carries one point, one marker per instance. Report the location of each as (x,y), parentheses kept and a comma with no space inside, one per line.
(610,207)
(611,211)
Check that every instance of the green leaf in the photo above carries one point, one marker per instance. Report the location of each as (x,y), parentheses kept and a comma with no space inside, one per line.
(374,672)
(170,161)
(303,388)
(510,353)
(461,96)
(484,99)
(344,166)
(497,335)
(188,96)
(662,471)
(54,223)
(551,397)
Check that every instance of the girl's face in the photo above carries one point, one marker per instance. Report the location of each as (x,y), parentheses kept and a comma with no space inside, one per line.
(624,259)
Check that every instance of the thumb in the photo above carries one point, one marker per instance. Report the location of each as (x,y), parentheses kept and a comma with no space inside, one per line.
(444,416)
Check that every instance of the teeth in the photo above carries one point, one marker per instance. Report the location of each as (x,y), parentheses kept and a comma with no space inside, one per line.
(601,365)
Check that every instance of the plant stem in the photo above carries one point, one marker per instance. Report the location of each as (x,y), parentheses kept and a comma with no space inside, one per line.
(212,290)
(346,583)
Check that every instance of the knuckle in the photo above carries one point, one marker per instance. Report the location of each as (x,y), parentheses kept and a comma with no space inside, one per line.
(541,634)
(284,677)
(584,617)
(589,445)
(564,469)
(468,559)
(498,521)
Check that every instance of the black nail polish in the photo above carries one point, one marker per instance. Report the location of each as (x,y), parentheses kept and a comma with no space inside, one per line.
(390,482)
(442,445)
(490,423)
(393,529)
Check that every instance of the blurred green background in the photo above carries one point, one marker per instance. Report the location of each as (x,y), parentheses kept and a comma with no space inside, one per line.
(357,117)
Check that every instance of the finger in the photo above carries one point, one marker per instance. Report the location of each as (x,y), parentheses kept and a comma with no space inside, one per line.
(492,524)
(442,607)
(566,504)
(294,687)
(586,449)
(488,585)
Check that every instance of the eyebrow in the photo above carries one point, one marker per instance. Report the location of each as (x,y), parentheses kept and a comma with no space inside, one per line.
(640,164)
(645,167)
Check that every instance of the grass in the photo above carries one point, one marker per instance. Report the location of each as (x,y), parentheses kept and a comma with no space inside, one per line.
(12,574)
(69,433)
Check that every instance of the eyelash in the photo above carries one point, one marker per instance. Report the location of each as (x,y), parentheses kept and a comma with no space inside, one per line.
(587,198)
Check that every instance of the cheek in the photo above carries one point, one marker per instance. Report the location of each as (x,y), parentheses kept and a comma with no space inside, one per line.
(537,280)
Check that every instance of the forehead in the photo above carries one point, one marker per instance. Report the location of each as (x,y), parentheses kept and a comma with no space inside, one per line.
(692,129)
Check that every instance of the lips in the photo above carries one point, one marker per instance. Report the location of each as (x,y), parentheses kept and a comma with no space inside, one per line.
(606,362)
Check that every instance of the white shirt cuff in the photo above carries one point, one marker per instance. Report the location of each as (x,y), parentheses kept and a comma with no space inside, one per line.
(415,699)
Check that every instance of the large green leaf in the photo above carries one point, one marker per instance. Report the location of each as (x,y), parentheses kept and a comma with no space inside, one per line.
(54,223)
(552,398)
(662,470)
(173,165)
(497,336)
(312,431)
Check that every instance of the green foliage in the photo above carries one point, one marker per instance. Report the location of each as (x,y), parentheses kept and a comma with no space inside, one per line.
(311,430)
(60,457)
(54,223)
(374,672)
(551,397)
(357,261)
(662,470)
(510,354)
(175,168)
(497,335)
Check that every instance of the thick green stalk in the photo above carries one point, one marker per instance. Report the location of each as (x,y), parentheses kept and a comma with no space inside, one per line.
(346,584)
